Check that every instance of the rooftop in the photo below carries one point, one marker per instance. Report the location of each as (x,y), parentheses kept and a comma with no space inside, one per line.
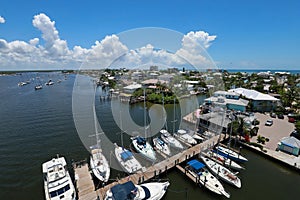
(254,95)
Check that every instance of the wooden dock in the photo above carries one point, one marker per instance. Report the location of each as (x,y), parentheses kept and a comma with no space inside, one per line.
(84,183)
(86,189)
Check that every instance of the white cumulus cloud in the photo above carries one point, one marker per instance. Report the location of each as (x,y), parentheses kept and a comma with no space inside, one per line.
(110,51)
(2,20)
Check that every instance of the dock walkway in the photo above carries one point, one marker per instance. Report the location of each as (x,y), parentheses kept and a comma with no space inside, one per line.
(86,192)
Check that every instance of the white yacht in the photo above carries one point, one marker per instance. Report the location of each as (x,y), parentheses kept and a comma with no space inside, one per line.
(99,164)
(198,170)
(57,181)
(224,161)
(161,146)
(228,153)
(169,139)
(185,137)
(149,191)
(126,159)
(142,146)
(222,172)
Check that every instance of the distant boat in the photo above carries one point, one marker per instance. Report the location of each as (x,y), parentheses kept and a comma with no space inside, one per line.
(161,146)
(126,159)
(228,153)
(169,139)
(150,191)
(224,161)
(198,170)
(50,82)
(57,181)
(22,83)
(185,137)
(38,87)
(222,172)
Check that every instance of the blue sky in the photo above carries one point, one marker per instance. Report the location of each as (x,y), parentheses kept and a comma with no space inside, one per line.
(250,34)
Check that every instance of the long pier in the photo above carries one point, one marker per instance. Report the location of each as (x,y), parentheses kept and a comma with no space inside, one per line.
(84,181)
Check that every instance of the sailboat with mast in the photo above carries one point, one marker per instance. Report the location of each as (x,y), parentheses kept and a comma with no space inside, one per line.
(168,138)
(98,162)
(158,142)
(125,157)
(38,85)
(140,144)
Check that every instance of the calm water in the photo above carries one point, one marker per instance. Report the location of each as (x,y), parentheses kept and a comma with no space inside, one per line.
(37,125)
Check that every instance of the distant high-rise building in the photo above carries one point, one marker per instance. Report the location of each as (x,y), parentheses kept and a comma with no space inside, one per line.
(153,68)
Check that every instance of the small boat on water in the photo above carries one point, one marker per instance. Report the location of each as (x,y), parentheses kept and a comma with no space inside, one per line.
(22,83)
(169,139)
(149,191)
(222,172)
(206,179)
(228,153)
(185,137)
(38,87)
(142,146)
(224,161)
(50,82)
(57,181)
(161,146)
(126,159)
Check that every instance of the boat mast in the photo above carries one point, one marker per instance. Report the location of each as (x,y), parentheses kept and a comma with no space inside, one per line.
(174,119)
(121,128)
(95,124)
(164,117)
(145,112)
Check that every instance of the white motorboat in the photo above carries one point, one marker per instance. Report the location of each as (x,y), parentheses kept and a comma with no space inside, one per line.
(22,83)
(57,181)
(38,87)
(198,170)
(149,191)
(126,159)
(222,172)
(142,146)
(228,153)
(50,82)
(161,146)
(169,139)
(185,137)
(224,161)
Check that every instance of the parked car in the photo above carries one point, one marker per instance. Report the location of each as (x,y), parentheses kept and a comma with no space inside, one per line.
(292,120)
(280,116)
(273,115)
(295,134)
(269,122)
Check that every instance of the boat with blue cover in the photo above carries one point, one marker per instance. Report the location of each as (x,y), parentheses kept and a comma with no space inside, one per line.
(127,160)
(228,153)
(128,190)
(198,170)
(142,146)
(161,146)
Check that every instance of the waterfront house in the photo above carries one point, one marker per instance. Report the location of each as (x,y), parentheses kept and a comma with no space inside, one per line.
(227,100)
(131,88)
(290,145)
(260,102)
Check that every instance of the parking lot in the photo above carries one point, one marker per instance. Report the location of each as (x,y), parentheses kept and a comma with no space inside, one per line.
(280,128)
